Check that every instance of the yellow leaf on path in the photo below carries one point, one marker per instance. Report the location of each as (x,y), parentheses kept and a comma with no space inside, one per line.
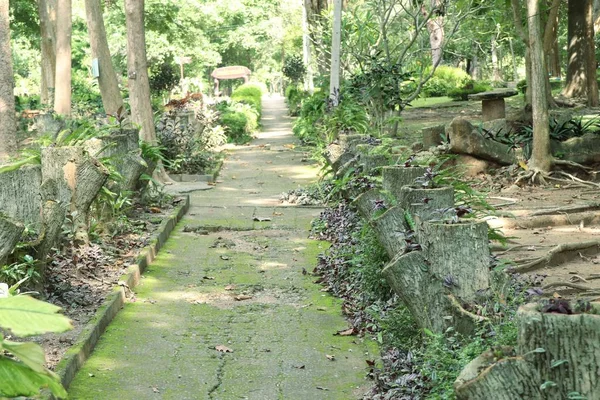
(523,165)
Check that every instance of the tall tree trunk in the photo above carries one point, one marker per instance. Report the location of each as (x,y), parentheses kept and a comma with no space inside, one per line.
(334,83)
(107,79)
(47,12)
(496,74)
(513,60)
(62,99)
(540,157)
(596,15)
(137,78)
(8,123)
(435,27)
(581,71)
(309,85)
(551,46)
(137,71)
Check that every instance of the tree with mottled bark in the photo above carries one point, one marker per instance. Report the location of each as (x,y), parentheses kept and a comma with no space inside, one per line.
(581,65)
(541,158)
(8,124)
(435,26)
(47,13)
(137,77)
(62,99)
(107,79)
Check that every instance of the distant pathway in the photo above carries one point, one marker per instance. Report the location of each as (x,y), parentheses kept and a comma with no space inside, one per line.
(240,289)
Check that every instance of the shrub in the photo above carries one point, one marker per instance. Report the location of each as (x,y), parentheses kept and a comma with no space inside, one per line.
(471,87)
(249,93)
(445,78)
(294,68)
(239,120)
(294,96)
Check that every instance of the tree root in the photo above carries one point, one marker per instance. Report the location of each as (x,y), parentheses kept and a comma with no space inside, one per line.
(553,254)
(541,177)
(571,164)
(456,304)
(567,209)
(567,284)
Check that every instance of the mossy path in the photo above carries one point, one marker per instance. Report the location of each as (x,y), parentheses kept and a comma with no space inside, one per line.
(240,287)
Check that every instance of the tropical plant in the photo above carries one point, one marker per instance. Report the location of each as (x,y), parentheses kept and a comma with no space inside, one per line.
(22,364)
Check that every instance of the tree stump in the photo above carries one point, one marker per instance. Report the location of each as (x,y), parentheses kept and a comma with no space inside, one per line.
(425,296)
(371,163)
(20,195)
(365,203)
(424,201)
(465,139)
(433,136)
(123,150)
(78,179)
(459,253)
(396,176)
(54,217)
(10,234)
(572,349)
(509,378)
(391,229)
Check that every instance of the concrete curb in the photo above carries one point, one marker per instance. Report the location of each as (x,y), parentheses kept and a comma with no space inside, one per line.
(76,356)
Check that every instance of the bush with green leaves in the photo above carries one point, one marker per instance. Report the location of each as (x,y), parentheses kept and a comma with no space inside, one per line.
(22,364)
(239,120)
(294,68)
(294,96)
(307,125)
(251,94)
(445,78)
(470,87)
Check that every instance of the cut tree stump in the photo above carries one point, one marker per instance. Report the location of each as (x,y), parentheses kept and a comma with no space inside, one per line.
(425,202)
(571,343)
(458,253)
(433,136)
(123,150)
(396,176)
(510,378)
(20,195)
(371,163)
(425,296)
(391,229)
(54,217)
(78,178)
(10,234)
(365,203)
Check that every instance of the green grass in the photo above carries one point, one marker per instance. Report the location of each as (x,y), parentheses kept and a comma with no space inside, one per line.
(434,101)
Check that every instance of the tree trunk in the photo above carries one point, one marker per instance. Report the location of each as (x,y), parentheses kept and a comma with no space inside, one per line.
(581,67)
(47,11)
(107,79)
(8,122)
(62,99)
(365,203)
(541,159)
(20,195)
(552,50)
(513,60)
(571,343)
(309,85)
(79,178)
(496,74)
(334,72)
(435,27)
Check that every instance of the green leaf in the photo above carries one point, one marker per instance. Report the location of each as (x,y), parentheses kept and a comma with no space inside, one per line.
(26,316)
(31,354)
(19,380)
(556,363)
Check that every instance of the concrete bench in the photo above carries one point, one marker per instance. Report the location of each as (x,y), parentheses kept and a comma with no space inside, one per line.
(492,103)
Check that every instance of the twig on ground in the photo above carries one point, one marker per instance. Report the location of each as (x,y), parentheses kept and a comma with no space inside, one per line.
(567,284)
(553,253)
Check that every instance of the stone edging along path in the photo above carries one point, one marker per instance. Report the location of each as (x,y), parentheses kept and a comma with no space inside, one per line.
(76,356)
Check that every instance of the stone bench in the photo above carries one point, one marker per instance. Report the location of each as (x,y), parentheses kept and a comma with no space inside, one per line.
(492,103)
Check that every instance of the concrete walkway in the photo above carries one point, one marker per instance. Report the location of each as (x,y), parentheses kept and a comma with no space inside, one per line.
(239,289)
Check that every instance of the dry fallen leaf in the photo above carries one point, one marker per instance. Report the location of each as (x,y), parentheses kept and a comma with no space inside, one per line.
(346,332)
(321,309)
(224,258)
(209,278)
(261,219)
(230,287)
(242,297)
(290,146)
(155,210)
(223,349)
(155,389)
(322,388)
(277,214)
(330,357)
(300,366)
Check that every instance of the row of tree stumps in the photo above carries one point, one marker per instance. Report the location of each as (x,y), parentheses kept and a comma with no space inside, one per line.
(61,190)
(441,269)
